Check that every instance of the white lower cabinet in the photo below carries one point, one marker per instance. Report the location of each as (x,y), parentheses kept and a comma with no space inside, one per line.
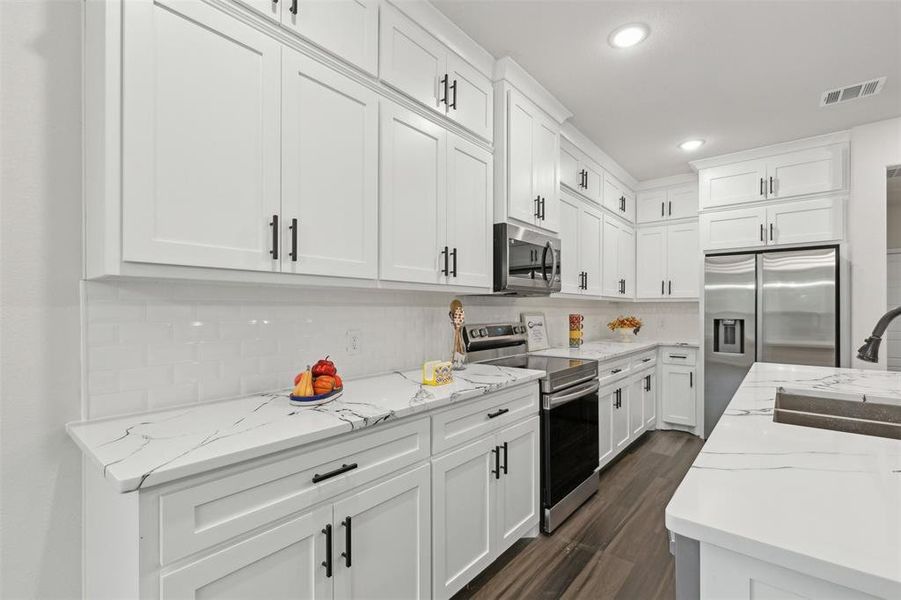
(626,408)
(636,406)
(649,400)
(622,434)
(678,402)
(605,425)
(485,497)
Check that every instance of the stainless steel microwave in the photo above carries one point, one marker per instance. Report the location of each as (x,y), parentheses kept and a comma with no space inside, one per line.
(526,263)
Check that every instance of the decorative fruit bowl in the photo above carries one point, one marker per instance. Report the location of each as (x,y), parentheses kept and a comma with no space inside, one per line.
(625,326)
(317,384)
(317,399)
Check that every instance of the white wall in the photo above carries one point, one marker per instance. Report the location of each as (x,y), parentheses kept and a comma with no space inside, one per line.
(40,265)
(152,344)
(874,147)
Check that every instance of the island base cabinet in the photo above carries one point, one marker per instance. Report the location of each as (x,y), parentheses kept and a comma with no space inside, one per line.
(485,497)
(284,562)
(727,574)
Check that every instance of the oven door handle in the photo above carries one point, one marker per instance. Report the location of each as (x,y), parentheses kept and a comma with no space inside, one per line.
(554,400)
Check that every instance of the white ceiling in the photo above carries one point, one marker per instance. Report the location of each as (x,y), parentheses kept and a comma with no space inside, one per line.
(739,74)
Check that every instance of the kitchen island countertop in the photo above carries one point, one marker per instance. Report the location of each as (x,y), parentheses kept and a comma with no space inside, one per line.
(820,502)
(141,450)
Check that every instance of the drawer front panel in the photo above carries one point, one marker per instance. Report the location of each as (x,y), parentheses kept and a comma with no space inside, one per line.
(648,359)
(198,517)
(476,418)
(678,356)
(613,370)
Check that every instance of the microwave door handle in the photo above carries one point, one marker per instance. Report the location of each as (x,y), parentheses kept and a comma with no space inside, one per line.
(553,278)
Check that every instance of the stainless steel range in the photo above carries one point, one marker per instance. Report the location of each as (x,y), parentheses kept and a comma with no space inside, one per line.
(569,415)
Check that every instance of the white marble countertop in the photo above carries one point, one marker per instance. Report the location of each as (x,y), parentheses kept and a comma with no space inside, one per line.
(820,502)
(604,350)
(148,449)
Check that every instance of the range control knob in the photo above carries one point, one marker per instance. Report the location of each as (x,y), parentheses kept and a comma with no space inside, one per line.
(473,333)
(483,332)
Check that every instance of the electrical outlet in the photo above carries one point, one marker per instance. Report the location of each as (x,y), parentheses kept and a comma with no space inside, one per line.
(353,343)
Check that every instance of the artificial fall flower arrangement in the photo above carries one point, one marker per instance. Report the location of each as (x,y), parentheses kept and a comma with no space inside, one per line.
(622,322)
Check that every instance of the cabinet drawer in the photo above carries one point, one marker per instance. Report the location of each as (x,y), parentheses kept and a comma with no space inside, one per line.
(200,516)
(678,356)
(648,359)
(613,370)
(476,418)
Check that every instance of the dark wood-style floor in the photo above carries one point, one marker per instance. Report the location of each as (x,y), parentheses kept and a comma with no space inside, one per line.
(615,546)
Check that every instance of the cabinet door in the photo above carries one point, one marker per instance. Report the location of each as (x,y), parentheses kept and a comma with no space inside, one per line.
(463,507)
(621,430)
(651,262)
(570,169)
(594,181)
(413,184)
(649,399)
(678,402)
(546,151)
(682,201)
(805,221)
(807,172)
(636,406)
(739,228)
(283,562)
(651,206)
(591,223)
(626,260)
(522,203)
(386,540)
(347,28)
(733,184)
(411,60)
(330,157)
(469,231)
(470,96)
(629,205)
(606,399)
(682,256)
(517,495)
(610,257)
(200,142)
(570,265)
(613,195)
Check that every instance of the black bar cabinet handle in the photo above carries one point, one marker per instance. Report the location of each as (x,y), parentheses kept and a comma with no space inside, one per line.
(293,229)
(293,8)
(691,379)
(615,371)
(443,83)
(327,563)
(446,269)
(347,537)
(498,412)
(662,287)
(771,232)
(678,356)
(543,205)
(645,360)
(761,232)
(343,469)
(670,209)
(586,280)
(647,386)
(537,207)
(453,104)
(669,288)
(761,186)
(771,185)
(497,462)
(274,225)
(661,209)
(505,458)
(454,255)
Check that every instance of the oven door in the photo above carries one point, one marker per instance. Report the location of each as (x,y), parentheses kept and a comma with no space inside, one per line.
(569,440)
(526,262)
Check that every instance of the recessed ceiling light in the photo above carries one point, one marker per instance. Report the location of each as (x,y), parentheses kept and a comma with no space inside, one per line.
(689,145)
(628,35)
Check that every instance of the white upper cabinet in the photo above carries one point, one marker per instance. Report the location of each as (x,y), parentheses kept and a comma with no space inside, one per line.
(618,198)
(579,173)
(330,158)
(469,97)
(651,206)
(532,154)
(413,197)
(682,201)
(738,228)
(571,274)
(812,171)
(347,28)
(618,259)
(733,184)
(668,261)
(200,143)
(412,60)
(591,225)
(267,8)
(417,64)
(469,215)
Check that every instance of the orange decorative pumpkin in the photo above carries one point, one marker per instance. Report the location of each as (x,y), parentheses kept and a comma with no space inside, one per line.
(323,384)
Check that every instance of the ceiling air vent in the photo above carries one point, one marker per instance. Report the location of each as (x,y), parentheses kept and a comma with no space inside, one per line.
(852,92)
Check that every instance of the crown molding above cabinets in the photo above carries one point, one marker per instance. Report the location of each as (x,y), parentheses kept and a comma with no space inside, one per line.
(839,137)
(507,69)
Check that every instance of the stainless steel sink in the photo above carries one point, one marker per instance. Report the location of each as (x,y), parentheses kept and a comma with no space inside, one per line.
(861,414)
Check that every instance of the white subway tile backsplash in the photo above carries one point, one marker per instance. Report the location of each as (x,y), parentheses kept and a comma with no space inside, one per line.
(155,344)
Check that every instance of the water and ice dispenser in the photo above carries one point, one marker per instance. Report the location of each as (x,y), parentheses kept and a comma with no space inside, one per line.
(729,336)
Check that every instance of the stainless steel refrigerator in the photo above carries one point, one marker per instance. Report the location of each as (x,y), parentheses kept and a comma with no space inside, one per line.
(777,306)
